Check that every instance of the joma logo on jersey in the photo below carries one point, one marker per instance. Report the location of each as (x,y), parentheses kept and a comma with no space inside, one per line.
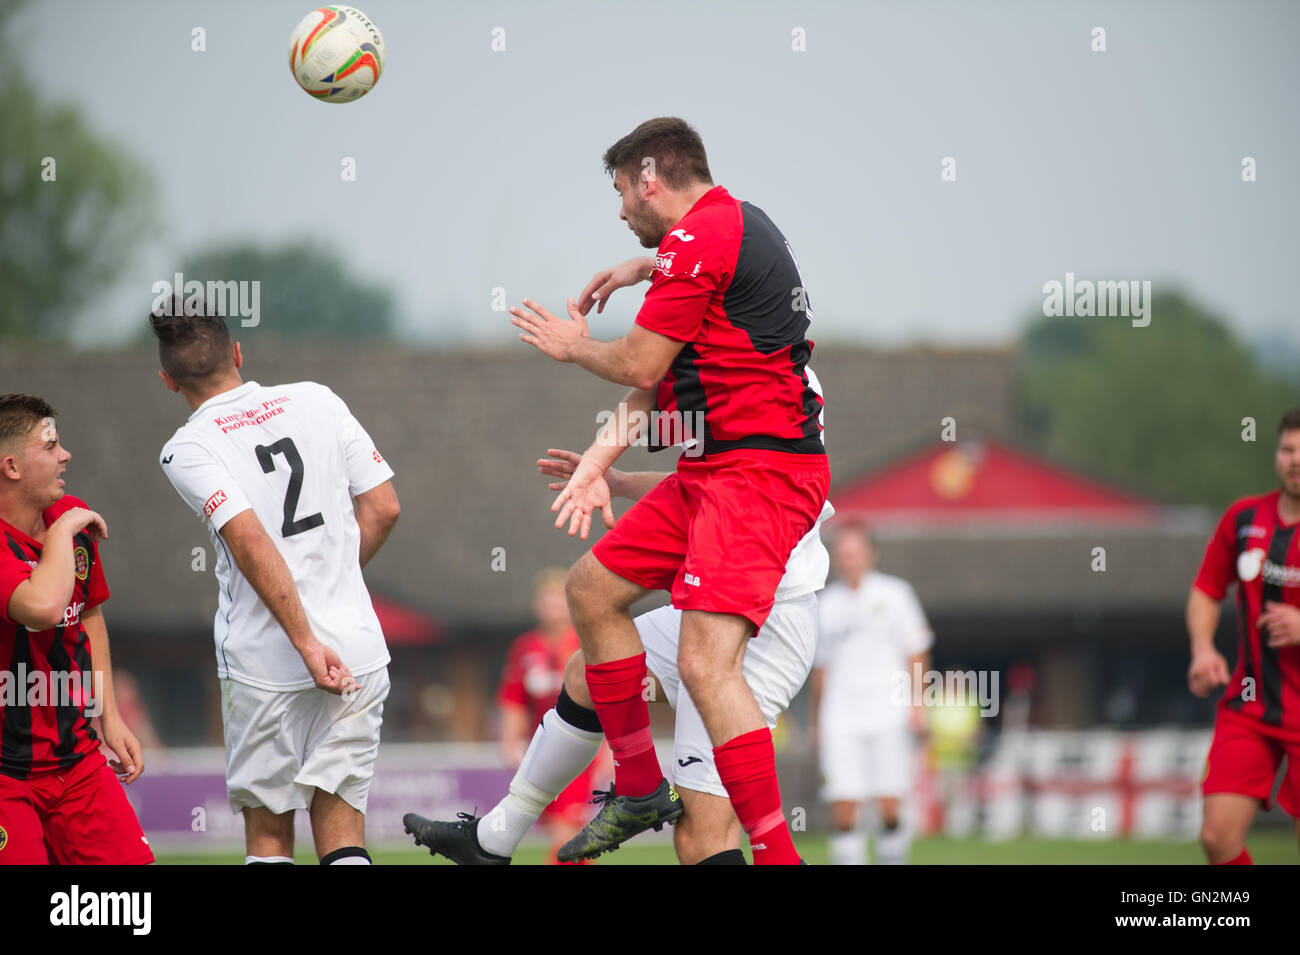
(214,502)
(692,580)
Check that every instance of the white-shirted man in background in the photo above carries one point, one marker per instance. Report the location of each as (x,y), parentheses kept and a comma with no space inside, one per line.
(873,633)
(297,499)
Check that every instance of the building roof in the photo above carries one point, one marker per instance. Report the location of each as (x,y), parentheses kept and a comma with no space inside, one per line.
(463,431)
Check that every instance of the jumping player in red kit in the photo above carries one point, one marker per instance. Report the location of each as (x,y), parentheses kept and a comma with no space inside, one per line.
(60,801)
(1256,547)
(718,350)
(530,687)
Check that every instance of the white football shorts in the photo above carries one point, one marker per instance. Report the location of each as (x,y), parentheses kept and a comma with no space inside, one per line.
(866,765)
(282,745)
(777,663)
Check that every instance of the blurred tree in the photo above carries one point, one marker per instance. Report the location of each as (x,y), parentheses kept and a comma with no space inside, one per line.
(1159,408)
(305,291)
(72,206)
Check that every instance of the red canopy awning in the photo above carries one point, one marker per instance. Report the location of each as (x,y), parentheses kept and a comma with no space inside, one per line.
(405,626)
(985,482)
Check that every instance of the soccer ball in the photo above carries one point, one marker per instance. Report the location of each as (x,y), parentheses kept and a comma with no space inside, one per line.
(336,54)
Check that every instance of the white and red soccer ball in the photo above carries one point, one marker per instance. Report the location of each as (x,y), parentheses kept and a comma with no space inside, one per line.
(336,54)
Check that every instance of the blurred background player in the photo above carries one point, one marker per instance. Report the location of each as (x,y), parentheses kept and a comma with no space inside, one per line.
(873,635)
(60,801)
(297,499)
(530,686)
(1255,546)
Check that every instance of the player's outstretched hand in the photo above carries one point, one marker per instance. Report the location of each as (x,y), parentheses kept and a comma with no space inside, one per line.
(78,518)
(550,334)
(606,281)
(1282,624)
(327,670)
(562,463)
(1208,670)
(586,491)
(129,763)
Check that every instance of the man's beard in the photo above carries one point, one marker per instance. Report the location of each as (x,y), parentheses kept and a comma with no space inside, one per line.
(650,228)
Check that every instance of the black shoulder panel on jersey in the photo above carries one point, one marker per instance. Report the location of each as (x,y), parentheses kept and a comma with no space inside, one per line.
(766,297)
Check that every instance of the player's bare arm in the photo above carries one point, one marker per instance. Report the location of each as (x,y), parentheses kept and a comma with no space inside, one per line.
(606,281)
(262,565)
(586,490)
(639,359)
(632,485)
(1208,668)
(129,763)
(39,601)
(377,512)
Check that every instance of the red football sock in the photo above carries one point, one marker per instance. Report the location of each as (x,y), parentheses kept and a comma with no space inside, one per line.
(1243,859)
(616,689)
(747,767)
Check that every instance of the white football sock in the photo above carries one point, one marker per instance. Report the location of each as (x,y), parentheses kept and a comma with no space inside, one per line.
(555,757)
(351,860)
(848,848)
(249,860)
(893,845)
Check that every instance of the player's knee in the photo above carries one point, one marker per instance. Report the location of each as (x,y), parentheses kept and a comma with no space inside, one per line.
(580,587)
(890,816)
(1218,840)
(700,672)
(575,680)
(844,816)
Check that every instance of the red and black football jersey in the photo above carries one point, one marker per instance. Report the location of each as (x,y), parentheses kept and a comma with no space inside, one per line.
(1254,549)
(726,283)
(43,727)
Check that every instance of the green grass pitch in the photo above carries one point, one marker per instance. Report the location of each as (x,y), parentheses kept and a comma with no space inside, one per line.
(1271,848)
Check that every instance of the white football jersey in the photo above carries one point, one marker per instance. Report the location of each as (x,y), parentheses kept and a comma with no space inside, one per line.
(867,636)
(294,455)
(809,563)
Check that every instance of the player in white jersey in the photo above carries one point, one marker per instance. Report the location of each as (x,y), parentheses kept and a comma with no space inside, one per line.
(873,634)
(776,665)
(297,500)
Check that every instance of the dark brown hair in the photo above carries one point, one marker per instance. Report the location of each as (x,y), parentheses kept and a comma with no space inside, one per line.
(677,151)
(20,413)
(1290,421)
(193,344)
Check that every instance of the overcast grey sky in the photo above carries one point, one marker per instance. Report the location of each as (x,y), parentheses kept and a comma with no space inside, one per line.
(478,169)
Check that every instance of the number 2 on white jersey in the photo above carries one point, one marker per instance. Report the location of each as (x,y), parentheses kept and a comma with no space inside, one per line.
(266,457)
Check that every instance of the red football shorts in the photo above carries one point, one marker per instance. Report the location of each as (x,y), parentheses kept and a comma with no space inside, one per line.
(78,818)
(1245,761)
(718,532)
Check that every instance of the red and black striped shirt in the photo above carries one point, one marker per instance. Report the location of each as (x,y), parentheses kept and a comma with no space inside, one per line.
(44,676)
(726,283)
(1252,548)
